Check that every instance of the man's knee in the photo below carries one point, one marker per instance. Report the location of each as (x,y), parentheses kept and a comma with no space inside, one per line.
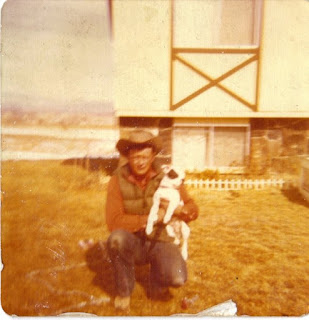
(116,240)
(172,280)
(168,266)
(179,279)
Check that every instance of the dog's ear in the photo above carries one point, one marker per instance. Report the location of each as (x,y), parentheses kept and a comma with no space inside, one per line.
(180,172)
(172,174)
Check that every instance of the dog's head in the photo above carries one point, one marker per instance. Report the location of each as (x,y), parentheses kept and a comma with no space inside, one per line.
(174,177)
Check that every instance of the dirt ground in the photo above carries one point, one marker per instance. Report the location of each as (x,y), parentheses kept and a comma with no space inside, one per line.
(248,246)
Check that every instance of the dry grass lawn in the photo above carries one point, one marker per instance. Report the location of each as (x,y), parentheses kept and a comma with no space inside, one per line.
(249,246)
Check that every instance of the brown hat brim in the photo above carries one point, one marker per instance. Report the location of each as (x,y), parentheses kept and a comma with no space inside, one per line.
(125,145)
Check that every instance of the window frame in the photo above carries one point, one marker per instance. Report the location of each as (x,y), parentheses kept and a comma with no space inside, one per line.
(209,131)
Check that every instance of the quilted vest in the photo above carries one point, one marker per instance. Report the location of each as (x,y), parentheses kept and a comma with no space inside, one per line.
(136,200)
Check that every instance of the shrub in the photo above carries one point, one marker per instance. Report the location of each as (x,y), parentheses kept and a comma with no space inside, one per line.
(204,174)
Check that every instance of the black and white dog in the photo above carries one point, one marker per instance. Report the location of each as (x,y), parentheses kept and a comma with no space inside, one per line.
(169,190)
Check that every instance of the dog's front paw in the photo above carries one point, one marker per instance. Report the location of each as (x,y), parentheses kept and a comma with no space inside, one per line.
(184,251)
(149,229)
(185,256)
(166,219)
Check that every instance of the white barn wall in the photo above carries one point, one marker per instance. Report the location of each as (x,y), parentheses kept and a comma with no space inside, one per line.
(285,63)
(141,51)
(142,60)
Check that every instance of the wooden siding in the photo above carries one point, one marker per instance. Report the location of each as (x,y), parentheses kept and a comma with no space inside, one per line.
(142,48)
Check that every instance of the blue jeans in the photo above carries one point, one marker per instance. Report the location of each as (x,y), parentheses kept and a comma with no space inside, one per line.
(167,266)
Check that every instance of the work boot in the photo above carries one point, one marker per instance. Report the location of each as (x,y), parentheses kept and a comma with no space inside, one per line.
(122,303)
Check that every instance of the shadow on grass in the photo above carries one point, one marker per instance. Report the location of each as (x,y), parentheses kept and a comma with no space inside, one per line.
(99,262)
(293,195)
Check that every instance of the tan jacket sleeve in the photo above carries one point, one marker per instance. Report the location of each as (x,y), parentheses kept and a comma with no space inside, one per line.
(190,210)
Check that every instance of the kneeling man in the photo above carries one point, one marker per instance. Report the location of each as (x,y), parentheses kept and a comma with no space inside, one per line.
(129,200)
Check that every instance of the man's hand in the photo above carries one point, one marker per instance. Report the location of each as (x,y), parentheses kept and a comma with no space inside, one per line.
(179,210)
(185,212)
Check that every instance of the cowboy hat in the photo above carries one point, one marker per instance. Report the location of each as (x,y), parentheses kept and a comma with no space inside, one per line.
(139,139)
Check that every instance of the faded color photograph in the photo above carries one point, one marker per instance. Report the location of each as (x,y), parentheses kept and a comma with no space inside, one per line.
(155,158)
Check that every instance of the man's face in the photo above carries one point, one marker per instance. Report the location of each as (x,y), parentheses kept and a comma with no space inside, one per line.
(140,161)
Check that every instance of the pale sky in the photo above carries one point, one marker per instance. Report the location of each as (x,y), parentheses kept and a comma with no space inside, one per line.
(56,54)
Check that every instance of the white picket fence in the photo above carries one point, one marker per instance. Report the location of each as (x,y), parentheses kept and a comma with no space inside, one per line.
(235,184)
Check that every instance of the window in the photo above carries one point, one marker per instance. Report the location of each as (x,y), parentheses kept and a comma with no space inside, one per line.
(229,148)
(189,147)
(204,24)
(216,146)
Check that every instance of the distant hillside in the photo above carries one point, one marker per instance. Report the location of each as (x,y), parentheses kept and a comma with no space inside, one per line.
(65,119)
